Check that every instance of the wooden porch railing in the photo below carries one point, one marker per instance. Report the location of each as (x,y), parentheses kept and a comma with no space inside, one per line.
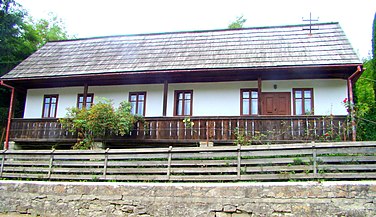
(215,129)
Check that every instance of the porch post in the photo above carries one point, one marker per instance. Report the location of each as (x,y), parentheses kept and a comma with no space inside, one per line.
(165,93)
(86,87)
(350,81)
(10,113)
(259,86)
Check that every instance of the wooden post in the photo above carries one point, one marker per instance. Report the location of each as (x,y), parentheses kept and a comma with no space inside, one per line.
(259,88)
(239,162)
(350,81)
(51,163)
(86,88)
(314,155)
(165,94)
(207,132)
(105,163)
(2,163)
(169,162)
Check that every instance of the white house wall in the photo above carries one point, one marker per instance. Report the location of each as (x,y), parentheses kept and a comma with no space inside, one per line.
(209,99)
(328,94)
(68,98)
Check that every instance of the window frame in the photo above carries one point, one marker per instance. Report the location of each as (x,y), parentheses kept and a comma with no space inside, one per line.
(176,93)
(303,99)
(250,90)
(137,101)
(81,94)
(49,107)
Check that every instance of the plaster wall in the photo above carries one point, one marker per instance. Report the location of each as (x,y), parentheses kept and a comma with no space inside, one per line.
(209,99)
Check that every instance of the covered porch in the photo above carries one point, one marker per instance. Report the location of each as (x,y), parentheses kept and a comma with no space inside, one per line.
(168,129)
(192,131)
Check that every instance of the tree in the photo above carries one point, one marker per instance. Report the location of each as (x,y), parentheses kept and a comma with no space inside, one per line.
(238,23)
(11,23)
(20,36)
(45,30)
(373,66)
(365,95)
(98,122)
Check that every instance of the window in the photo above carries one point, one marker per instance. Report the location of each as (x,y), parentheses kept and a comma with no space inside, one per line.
(49,106)
(303,101)
(137,100)
(183,102)
(89,100)
(249,102)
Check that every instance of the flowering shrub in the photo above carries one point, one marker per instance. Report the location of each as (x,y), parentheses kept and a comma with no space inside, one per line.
(348,105)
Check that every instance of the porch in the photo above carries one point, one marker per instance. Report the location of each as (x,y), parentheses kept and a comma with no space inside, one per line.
(219,130)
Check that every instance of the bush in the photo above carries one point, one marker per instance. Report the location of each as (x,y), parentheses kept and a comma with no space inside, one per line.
(99,122)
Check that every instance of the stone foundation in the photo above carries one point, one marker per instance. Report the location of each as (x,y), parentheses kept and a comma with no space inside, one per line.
(188,199)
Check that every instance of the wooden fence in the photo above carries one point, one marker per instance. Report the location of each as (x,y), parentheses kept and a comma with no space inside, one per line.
(312,161)
(216,129)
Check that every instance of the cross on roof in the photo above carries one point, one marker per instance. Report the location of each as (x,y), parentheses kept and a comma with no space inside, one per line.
(310,23)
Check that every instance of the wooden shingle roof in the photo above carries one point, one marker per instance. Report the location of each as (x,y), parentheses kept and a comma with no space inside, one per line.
(218,49)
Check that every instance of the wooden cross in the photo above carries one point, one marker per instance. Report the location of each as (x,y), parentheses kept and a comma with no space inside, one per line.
(310,23)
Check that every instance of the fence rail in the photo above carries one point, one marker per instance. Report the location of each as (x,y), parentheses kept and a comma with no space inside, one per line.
(351,160)
(216,129)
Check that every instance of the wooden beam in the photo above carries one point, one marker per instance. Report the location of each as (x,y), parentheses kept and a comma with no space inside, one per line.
(259,90)
(165,94)
(86,87)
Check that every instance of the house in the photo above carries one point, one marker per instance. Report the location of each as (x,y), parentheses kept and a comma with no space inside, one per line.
(280,83)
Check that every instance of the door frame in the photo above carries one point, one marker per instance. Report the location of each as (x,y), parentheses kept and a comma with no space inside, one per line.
(263,106)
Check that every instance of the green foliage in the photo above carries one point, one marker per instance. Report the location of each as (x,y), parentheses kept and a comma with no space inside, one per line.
(366,125)
(364,88)
(45,30)
(365,96)
(238,23)
(374,37)
(365,105)
(188,123)
(298,161)
(245,138)
(20,36)
(11,23)
(98,122)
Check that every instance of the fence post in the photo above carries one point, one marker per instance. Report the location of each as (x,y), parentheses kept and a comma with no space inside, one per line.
(314,154)
(51,164)
(169,162)
(2,163)
(207,132)
(105,163)
(239,161)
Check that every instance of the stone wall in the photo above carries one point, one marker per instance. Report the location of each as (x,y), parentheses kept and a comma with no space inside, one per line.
(188,199)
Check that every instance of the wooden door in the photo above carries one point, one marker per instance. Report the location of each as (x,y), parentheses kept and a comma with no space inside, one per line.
(276,103)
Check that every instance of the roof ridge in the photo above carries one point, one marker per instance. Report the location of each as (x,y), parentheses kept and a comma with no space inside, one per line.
(194,31)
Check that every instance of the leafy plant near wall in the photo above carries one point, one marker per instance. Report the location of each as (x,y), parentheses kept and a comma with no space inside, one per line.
(188,123)
(98,122)
(245,138)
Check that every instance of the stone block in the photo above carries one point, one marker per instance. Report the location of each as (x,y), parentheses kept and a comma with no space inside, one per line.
(241,215)
(223,214)
(229,208)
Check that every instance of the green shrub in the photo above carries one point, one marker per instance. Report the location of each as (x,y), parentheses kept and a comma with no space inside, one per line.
(98,122)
